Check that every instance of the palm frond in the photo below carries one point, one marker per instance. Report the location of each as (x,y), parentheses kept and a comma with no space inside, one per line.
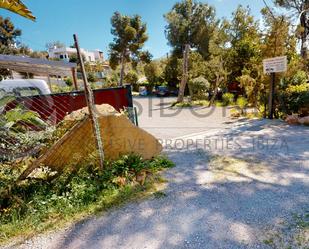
(17,7)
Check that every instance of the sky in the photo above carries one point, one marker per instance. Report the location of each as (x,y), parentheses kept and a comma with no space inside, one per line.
(58,20)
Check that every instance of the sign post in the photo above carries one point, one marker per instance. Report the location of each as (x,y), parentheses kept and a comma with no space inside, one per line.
(272,66)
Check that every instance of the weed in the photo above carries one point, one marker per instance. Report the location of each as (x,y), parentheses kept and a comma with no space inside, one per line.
(269,241)
(37,205)
(159,194)
(192,103)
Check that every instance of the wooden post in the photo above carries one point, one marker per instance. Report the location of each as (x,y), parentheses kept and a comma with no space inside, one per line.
(74,78)
(122,69)
(49,83)
(271,96)
(90,102)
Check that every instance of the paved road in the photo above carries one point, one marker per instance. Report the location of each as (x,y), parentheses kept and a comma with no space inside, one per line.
(206,207)
(157,117)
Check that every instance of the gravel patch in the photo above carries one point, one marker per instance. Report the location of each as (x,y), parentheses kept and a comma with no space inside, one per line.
(218,198)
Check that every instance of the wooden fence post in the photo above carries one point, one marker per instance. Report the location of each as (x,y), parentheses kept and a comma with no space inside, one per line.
(90,103)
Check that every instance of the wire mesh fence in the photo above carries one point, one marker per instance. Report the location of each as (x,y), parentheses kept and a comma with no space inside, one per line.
(36,126)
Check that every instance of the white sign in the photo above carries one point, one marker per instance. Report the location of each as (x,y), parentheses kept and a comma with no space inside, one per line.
(275,65)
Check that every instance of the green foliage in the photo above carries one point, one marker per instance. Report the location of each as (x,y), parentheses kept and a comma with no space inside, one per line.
(8,32)
(192,23)
(183,104)
(153,72)
(8,42)
(36,204)
(172,71)
(199,88)
(61,89)
(18,120)
(15,139)
(131,77)
(198,66)
(91,77)
(245,42)
(242,103)
(130,35)
(192,103)
(294,99)
(253,86)
(227,99)
(68,81)
(299,77)
(298,8)
(277,40)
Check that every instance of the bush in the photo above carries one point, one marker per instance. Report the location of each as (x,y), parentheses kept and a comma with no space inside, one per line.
(61,89)
(15,139)
(199,88)
(131,77)
(228,99)
(242,104)
(91,77)
(295,99)
(68,81)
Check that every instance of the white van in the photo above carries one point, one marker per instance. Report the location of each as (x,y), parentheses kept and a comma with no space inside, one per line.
(24,87)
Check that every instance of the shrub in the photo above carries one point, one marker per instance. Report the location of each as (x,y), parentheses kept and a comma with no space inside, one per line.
(91,77)
(68,81)
(228,99)
(131,77)
(199,88)
(242,104)
(61,89)
(295,99)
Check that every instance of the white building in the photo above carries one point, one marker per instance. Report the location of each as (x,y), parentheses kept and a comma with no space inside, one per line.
(64,53)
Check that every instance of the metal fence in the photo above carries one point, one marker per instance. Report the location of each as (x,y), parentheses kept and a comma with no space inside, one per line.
(31,125)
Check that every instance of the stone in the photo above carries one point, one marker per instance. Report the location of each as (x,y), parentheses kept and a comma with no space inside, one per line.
(304,120)
(292,119)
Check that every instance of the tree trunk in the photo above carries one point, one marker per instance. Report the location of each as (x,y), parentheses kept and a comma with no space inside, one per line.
(304,36)
(122,69)
(213,97)
(184,79)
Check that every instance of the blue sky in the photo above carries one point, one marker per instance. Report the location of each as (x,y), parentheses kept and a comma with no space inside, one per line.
(59,19)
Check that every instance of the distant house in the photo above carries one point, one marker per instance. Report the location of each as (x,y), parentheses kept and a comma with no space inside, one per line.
(64,53)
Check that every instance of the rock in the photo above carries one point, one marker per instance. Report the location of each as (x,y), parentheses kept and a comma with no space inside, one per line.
(292,119)
(304,120)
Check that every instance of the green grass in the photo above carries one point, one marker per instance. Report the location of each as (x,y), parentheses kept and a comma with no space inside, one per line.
(269,241)
(192,103)
(293,234)
(37,205)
